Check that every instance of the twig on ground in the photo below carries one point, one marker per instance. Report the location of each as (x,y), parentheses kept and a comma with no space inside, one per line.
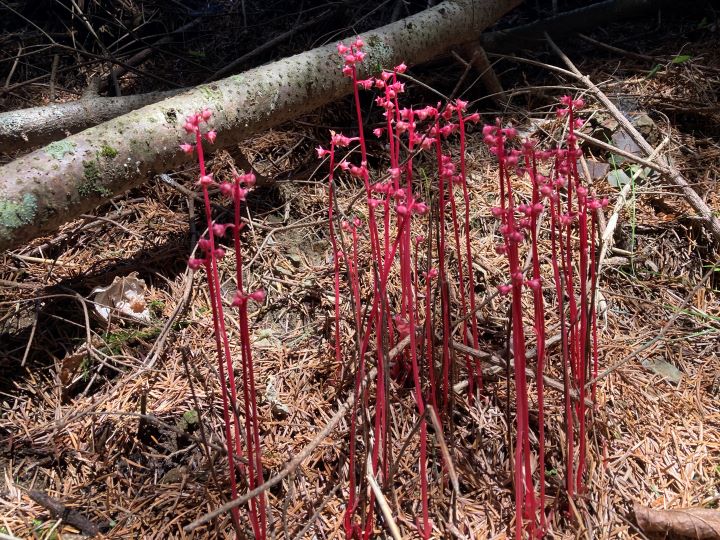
(382,502)
(70,516)
(711,222)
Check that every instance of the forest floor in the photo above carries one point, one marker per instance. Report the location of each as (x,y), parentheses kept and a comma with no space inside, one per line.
(103,415)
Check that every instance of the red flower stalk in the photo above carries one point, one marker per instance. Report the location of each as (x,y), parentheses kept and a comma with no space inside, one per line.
(525,503)
(477,371)
(232,434)
(534,210)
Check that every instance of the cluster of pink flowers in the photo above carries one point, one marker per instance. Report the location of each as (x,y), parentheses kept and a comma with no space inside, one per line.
(192,126)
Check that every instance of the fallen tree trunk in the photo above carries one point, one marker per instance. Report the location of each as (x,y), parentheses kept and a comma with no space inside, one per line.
(25,128)
(42,190)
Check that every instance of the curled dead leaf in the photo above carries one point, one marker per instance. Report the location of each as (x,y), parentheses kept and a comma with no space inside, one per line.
(697,523)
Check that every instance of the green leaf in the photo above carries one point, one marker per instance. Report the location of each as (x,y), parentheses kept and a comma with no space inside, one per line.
(654,71)
(618,178)
(681,58)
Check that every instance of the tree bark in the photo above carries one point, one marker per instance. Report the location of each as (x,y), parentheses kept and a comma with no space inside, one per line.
(42,190)
(24,128)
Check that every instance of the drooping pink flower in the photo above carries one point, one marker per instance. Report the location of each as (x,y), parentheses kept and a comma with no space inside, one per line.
(196,264)
(258,296)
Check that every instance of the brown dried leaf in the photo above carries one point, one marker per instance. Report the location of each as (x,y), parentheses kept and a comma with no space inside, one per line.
(698,523)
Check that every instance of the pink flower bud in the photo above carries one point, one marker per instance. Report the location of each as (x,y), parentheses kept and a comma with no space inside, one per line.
(206,180)
(420,208)
(247,179)
(427,143)
(206,114)
(496,211)
(342,49)
(241,194)
(401,68)
(211,135)
(238,300)
(258,296)
(226,188)
(219,253)
(190,127)
(504,289)
(401,324)
(358,43)
(187,148)
(196,264)
(220,229)
(358,172)
(535,284)
(204,244)
(378,132)
(432,274)
(501,249)
(341,140)
(401,209)
(322,152)
(373,203)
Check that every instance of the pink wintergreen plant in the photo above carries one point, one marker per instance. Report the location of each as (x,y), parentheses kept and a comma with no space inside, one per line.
(392,203)
(525,503)
(225,362)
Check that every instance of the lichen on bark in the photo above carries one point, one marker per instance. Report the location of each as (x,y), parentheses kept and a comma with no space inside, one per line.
(14,214)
